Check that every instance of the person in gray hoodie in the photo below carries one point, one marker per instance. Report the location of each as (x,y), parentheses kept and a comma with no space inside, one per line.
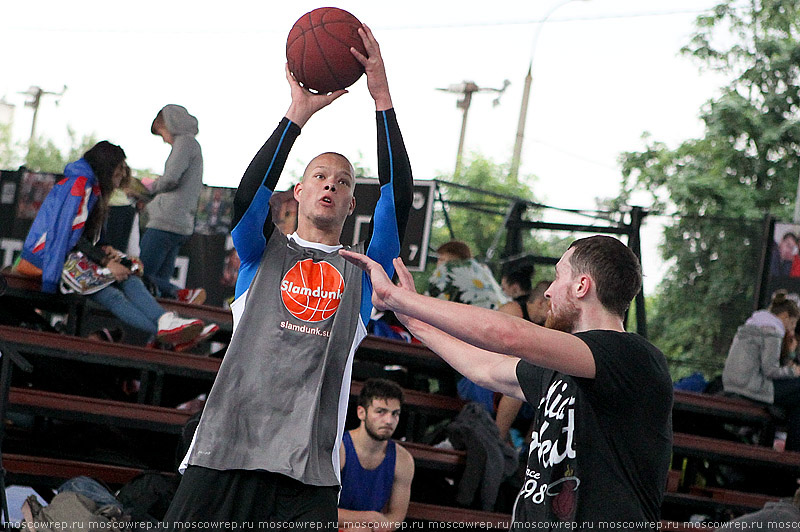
(753,367)
(173,207)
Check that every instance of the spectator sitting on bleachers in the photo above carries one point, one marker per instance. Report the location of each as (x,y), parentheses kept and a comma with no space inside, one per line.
(515,281)
(776,515)
(71,218)
(376,473)
(753,367)
(284,211)
(462,279)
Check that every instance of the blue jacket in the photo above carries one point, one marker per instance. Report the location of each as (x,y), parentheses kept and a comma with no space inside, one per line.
(60,222)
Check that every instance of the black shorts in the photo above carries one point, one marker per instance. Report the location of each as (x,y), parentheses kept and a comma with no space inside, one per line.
(208,499)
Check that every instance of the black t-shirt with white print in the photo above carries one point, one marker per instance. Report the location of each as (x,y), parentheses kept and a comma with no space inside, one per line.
(600,448)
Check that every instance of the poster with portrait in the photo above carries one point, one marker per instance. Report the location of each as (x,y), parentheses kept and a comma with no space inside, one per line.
(781,265)
(214,210)
(33,189)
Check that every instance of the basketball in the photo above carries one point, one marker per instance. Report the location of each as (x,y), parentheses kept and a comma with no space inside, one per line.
(318,50)
(311,291)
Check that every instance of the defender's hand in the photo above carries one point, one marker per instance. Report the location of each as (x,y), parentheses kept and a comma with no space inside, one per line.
(382,286)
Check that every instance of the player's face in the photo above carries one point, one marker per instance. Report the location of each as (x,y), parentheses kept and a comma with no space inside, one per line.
(325,196)
(564,313)
(380,418)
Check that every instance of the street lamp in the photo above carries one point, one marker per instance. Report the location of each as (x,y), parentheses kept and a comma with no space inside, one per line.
(523,111)
(467,89)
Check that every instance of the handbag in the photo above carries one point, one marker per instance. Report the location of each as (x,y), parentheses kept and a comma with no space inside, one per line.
(81,275)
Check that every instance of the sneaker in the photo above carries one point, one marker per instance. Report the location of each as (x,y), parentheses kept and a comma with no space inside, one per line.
(193,296)
(207,332)
(173,329)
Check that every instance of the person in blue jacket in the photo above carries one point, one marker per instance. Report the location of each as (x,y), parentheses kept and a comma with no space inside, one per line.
(71,218)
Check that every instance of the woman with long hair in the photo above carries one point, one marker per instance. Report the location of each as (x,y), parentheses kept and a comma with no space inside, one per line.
(72,218)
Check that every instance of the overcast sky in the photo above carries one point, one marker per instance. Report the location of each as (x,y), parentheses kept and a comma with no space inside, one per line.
(605,71)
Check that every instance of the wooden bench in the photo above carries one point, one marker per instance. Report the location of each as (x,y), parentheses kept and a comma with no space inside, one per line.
(445,514)
(429,457)
(39,470)
(705,408)
(707,505)
(27,291)
(102,411)
(751,500)
(23,296)
(152,363)
(733,453)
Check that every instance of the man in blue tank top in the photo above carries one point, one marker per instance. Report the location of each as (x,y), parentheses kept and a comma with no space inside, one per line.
(376,473)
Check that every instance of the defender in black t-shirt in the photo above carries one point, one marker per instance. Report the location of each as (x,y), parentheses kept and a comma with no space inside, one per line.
(602,433)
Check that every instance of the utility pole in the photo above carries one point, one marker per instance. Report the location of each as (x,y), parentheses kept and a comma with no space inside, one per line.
(467,89)
(523,112)
(36,94)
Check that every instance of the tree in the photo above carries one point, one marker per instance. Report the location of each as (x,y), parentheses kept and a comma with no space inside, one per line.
(42,154)
(721,186)
(477,218)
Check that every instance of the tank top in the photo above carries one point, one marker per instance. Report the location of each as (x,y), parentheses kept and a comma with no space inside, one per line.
(522,301)
(366,489)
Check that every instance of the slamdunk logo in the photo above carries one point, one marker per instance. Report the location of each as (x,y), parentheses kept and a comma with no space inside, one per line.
(311,291)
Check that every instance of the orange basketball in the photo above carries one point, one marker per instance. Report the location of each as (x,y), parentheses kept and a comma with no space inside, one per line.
(311,291)
(318,49)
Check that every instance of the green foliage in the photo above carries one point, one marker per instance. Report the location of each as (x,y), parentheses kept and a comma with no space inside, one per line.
(722,185)
(9,151)
(477,218)
(44,156)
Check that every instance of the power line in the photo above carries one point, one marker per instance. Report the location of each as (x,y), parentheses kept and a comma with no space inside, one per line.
(261,31)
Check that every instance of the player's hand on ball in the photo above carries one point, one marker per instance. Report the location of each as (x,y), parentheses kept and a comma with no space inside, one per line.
(306,103)
(377,83)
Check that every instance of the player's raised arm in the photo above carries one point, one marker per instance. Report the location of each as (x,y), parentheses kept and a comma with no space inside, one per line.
(373,65)
(390,216)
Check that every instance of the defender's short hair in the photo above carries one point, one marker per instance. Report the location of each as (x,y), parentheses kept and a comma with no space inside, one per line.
(379,389)
(615,269)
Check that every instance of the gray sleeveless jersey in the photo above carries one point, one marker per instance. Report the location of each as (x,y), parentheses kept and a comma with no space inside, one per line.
(280,399)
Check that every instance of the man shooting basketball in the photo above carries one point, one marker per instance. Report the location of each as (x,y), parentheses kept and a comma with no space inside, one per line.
(267,446)
(602,435)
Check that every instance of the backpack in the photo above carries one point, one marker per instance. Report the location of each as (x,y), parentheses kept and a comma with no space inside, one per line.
(148,496)
(71,512)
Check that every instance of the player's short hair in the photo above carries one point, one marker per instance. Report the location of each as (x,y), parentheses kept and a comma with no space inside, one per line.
(615,269)
(379,389)
(460,250)
(336,154)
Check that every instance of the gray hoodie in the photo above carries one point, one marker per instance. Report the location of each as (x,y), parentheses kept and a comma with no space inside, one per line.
(754,358)
(176,192)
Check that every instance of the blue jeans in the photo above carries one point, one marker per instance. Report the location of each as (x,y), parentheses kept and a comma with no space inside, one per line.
(787,395)
(158,251)
(131,303)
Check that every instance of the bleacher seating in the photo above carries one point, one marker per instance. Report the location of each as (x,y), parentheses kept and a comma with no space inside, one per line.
(148,413)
